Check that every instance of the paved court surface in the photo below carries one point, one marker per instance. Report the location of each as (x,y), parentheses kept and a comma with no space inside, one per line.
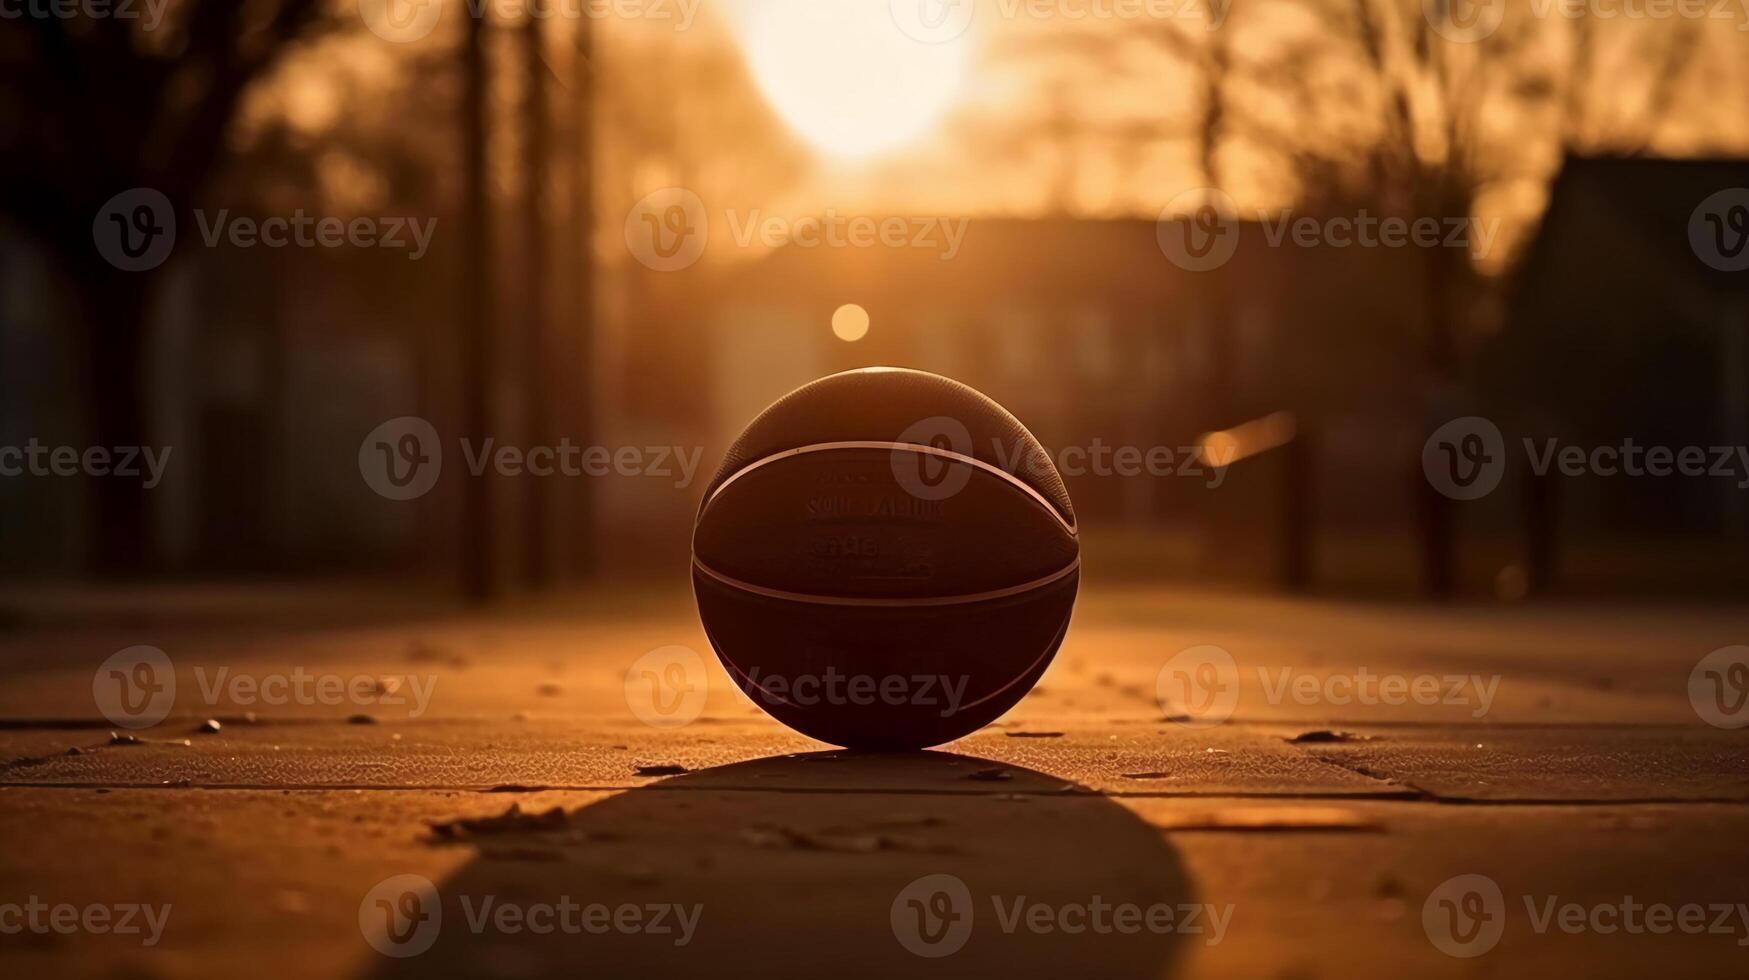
(1361,789)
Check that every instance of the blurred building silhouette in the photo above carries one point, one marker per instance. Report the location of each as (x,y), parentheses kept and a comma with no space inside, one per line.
(1622,325)
(272,366)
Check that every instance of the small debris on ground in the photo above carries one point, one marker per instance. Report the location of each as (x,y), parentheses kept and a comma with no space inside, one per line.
(511,821)
(361,720)
(663,769)
(994,774)
(1267,818)
(543,855)
(209,727)
(834,840)
(117,738)
(1323,735)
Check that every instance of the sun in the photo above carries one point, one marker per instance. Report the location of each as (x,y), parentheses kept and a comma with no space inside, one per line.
(846,77)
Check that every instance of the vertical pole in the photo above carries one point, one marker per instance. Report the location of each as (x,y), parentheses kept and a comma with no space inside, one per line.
(583,532)
(1437,514)
(479,568)
(1296,515)
(1541,525)
(537,549)
(1734,404)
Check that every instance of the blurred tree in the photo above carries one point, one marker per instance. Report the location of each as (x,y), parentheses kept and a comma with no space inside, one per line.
(1370,105)
(538,360)
(579,349)
(1454,118)
(96,106)
(481,578)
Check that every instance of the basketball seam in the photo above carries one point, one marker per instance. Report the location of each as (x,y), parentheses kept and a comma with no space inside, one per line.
(965,598)
(1068,523)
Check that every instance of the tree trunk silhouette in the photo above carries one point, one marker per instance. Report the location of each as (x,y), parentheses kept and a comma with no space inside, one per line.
(480,579)
(113,113)
(113,308)
(584,546)
(537,550)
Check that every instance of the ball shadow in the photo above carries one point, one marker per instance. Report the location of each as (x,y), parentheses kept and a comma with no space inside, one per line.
(813,866)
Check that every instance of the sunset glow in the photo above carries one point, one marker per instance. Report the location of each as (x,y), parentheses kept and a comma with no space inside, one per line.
(845,78)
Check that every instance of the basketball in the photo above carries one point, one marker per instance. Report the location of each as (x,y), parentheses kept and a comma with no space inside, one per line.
(887,559)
